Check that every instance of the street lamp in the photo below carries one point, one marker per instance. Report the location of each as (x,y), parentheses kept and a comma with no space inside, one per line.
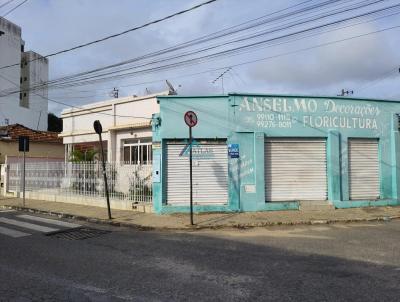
(99,129)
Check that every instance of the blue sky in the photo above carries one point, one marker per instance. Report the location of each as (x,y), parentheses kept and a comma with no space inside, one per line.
(358,64)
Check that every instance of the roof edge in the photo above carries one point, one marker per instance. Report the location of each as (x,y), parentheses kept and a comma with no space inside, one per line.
(105,103)
(312,96)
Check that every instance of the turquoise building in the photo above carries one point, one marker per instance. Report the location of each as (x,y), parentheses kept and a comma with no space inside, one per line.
(255,152)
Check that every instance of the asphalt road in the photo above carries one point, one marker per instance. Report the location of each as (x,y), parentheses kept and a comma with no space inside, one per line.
(353,262)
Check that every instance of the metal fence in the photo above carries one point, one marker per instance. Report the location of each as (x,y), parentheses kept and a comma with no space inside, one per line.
(126,182)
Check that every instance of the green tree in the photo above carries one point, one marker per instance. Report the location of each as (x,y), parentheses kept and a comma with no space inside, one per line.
(83,156)
(54,123)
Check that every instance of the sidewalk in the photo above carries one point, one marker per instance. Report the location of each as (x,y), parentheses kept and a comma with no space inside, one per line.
(146,221)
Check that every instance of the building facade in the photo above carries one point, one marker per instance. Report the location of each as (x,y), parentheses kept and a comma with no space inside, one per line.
(44,145)
(271,152)
(19,103)
(126,122)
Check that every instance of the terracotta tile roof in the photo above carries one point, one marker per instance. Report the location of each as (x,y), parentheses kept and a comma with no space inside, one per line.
(12,132)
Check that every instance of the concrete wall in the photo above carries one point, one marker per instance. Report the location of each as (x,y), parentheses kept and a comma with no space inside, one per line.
(35,150)
(248,120)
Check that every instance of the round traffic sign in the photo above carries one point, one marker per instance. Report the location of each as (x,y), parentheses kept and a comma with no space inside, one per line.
(190,118)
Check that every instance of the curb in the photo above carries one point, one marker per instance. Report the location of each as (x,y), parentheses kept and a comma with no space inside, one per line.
(198,227)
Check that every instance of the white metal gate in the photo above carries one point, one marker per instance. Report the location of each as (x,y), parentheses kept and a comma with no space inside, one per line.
(210,174)
(295,169)
(364,169)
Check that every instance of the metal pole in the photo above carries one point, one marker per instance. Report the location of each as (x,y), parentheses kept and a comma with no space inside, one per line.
(23,176)
(191,176)
(105,177)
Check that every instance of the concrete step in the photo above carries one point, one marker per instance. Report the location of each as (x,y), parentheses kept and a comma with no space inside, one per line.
(316,206)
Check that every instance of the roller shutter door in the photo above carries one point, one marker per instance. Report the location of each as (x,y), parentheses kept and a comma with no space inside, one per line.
(295,169)
(363,169)
(210,174)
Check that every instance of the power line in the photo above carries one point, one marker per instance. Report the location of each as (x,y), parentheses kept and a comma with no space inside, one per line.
(118,34)
(239,64)
(299,11)
(243,63)
(202,39)
(14,8)
(190,43)
(178,66)
(381,78)
(275,39)
(352,7)
(270,57)
(6,3)
(76,107)
(229,52)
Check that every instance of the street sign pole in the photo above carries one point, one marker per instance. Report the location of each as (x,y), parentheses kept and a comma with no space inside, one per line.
(191,175)
(98,128)
(105,177)
(191,120)
(23,146)
(23,176)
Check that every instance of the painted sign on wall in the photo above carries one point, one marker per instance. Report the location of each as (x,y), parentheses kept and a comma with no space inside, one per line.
(199,151)
(264,112)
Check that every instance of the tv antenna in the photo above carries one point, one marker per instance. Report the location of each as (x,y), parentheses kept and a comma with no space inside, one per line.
(221,76)
(114,93)
(345,92)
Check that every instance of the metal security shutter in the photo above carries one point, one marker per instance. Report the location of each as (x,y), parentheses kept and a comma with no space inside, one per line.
(295,169)
(210,175)
(363,169)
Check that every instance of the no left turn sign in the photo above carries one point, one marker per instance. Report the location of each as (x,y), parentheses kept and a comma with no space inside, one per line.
(190,119)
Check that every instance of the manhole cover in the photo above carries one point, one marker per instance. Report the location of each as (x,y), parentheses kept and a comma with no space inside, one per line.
(78,233)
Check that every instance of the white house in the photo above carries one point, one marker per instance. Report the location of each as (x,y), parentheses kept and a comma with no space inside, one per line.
(126,125)
(18,103)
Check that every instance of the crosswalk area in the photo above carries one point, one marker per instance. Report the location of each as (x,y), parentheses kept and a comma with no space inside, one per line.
(15,225)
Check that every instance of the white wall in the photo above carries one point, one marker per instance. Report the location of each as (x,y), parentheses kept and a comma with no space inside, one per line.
(116,112)
(10,53)
(116,117)
(36,72)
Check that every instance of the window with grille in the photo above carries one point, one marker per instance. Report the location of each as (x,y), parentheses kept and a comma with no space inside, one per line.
(137,152)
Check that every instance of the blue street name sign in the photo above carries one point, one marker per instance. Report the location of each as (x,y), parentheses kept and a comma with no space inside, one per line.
(233,150)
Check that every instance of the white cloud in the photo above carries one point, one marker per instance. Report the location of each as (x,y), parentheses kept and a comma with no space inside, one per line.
(358,60)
